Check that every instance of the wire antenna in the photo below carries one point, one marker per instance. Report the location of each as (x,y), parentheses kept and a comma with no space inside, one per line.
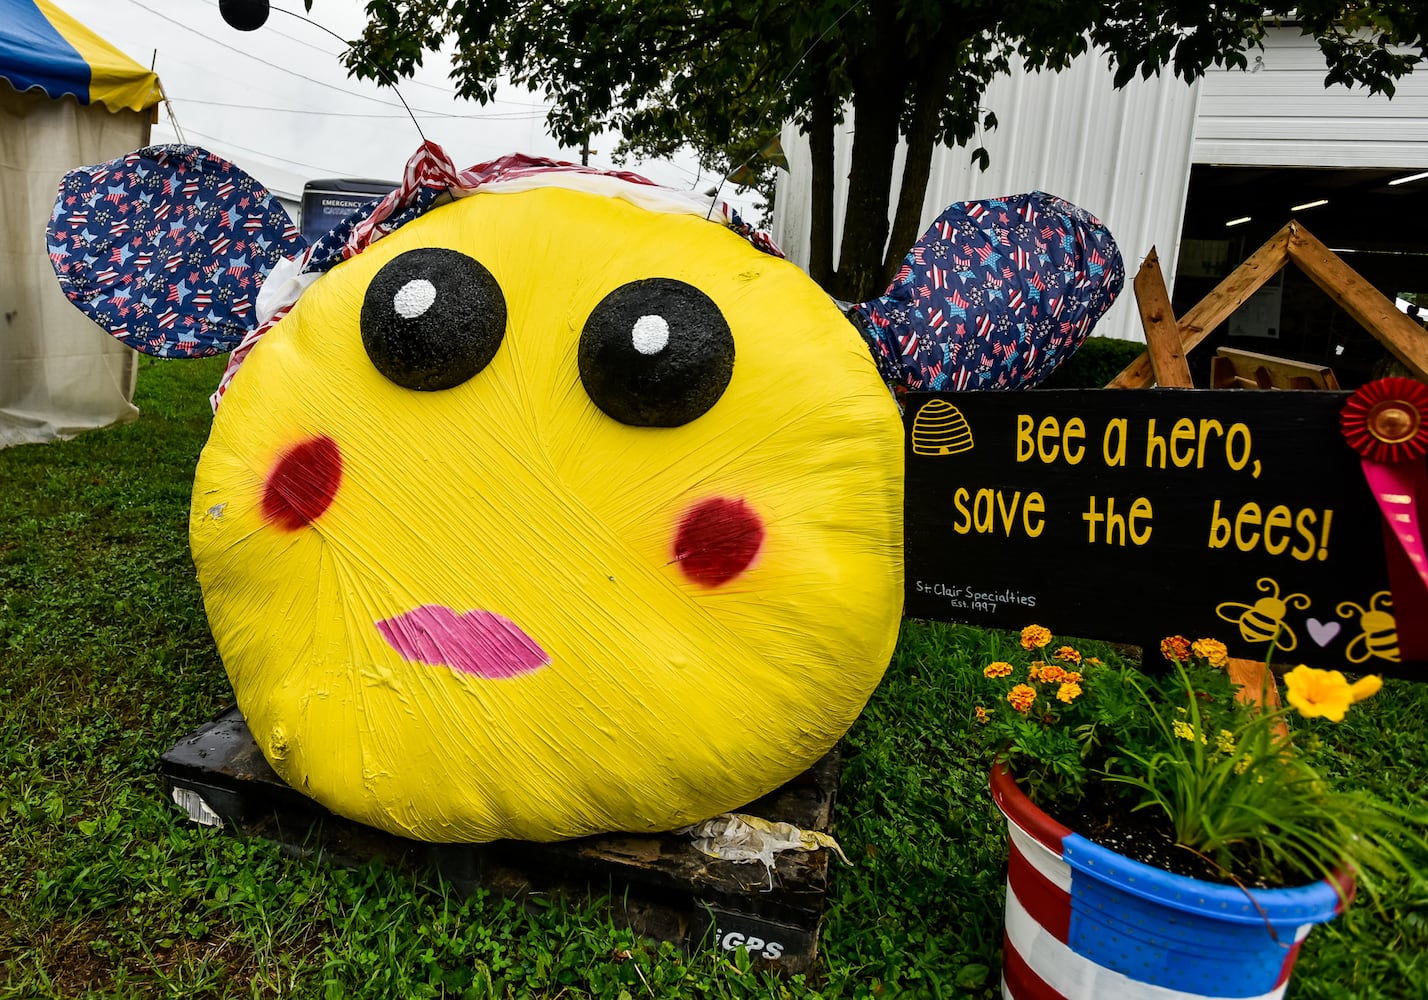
(250,15)
(786,77)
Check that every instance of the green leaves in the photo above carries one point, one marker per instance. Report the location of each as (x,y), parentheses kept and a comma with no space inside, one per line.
(1237,789)
(712,77)
(106,891)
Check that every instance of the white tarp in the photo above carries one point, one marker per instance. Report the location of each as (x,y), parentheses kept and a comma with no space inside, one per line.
(60,374)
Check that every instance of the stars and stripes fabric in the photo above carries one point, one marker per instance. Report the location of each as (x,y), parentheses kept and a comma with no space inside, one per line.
(1083,921)
(166,248)
(994,295)
(429,179)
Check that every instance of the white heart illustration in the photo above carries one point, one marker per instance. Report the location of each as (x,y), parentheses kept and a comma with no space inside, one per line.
(1323,632)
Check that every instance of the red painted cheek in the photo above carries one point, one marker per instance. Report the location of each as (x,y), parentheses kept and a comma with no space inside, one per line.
(717,540)
(303,483)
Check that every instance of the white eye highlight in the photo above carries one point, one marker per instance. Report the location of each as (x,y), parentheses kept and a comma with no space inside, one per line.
(414,298)
(650,334)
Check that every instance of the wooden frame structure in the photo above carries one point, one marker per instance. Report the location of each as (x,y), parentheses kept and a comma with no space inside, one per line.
(1168,339)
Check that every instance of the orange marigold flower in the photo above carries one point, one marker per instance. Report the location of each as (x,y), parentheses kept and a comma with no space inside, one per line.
(1035,637)
(1212,651)
(1072,677)
(1051,674)
(1067,654)
(1021,697)
(998,669)
(1068,692)
(1175,647)
(983,716)
(1033,672)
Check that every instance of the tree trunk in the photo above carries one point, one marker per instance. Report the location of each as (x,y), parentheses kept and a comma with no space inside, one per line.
(820,237)
(877,105)
(917,165)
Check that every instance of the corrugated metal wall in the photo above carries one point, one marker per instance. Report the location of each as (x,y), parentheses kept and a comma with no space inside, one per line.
(1126,155)
(1280,114)
(1123,155)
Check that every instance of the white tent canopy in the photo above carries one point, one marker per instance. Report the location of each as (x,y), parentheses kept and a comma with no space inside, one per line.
(67,98)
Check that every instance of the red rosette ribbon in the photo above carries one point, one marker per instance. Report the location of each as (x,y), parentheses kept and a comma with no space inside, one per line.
(1386,422)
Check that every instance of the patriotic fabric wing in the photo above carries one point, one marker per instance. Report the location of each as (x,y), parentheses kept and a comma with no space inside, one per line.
(166,248)
(994,295)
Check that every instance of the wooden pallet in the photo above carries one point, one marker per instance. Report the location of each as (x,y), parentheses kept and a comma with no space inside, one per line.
(659,885)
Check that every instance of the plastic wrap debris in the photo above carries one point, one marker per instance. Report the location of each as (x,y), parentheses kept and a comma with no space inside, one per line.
(197,808)
(743,838)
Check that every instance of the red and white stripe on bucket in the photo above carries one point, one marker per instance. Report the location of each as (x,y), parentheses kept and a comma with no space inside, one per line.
(1039,964)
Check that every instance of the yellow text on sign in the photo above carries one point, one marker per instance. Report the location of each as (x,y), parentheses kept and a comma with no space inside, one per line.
(986,511)
(1252,527)
(1114,527)
(1184,444)
(1047,439)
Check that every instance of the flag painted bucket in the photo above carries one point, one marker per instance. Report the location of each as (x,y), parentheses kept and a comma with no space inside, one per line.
(1083,921)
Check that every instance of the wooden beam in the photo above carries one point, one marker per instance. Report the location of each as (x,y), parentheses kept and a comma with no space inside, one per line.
(1162,334)
(1202,318)
(1370,308)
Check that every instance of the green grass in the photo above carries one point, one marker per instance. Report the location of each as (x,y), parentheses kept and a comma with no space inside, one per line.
(105,660)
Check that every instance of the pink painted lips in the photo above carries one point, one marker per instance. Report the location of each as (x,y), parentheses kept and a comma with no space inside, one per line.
(474,642)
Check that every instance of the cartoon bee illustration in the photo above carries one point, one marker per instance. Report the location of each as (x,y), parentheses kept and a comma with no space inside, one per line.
(1379,635)
(1263,621)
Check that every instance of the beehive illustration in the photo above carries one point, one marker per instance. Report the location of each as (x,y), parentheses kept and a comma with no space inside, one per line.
(940,429)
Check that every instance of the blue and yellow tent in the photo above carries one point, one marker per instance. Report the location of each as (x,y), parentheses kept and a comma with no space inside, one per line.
(66,97)
(43,47)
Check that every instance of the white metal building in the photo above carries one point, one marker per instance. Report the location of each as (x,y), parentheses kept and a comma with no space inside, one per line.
(1162,162)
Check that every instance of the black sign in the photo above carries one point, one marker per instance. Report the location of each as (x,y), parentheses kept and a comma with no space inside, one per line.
(325,203)
(1133,515)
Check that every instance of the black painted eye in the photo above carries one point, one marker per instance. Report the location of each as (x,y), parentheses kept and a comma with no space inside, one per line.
(432,318)
(656,353)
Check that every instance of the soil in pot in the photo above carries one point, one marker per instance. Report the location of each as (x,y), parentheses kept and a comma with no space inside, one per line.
(1147,837)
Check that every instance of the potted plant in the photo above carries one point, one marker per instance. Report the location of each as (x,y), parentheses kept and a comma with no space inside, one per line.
(1170,834)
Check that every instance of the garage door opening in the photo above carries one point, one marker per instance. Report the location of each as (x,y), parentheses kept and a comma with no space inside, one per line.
(1373,219)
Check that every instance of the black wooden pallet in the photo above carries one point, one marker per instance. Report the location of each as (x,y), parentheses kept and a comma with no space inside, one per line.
(659,885)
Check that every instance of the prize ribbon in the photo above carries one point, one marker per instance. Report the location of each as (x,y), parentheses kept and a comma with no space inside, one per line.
(1386,422)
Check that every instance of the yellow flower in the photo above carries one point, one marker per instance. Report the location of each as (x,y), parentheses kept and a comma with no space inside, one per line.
(1068,654)
(1035,637)
(1212,651)
(1184,730)
(1033,672)
(1021,697)
(998,669)
(1072,676)
(1326,693)
(1175,647)
(983,716)
(1366,687)
(1068,692)
(1225,742)
(1242,765)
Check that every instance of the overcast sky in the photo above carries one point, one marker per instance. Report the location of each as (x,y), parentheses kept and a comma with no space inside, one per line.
(277,101)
